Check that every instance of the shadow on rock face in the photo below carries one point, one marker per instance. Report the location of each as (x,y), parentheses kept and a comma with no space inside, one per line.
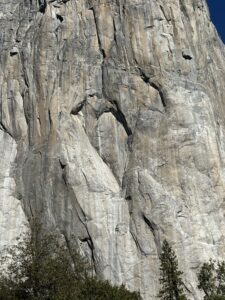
(42,5)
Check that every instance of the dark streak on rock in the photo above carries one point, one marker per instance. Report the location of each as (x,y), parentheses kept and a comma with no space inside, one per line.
(165,16)
(49,117)
(63,168)
(2,126)
(152,84)
(42,6)
(186,56)
(78,108)
(62,165)
(137,243)
(154,229)
(59,17)
(118,114)
(13,53)
(120,117)
(102,51)
(147,80)
(144,77)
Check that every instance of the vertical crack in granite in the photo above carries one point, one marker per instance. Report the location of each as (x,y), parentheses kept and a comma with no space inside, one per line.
(102,51)
(147,80)
(154,229)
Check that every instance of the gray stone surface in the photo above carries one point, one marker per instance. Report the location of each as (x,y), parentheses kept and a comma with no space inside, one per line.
(112,128)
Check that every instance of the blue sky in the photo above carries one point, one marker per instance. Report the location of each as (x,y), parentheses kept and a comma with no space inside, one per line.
(217,11)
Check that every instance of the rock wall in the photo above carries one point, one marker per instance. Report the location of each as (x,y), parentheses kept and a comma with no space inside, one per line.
(112,124)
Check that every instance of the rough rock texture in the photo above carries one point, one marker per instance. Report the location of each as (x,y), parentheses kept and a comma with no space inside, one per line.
(112,128)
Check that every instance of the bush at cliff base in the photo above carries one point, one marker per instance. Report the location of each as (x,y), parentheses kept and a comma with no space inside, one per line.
(40,267)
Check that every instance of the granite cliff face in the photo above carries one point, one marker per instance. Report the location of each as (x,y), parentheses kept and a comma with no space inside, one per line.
(112,128)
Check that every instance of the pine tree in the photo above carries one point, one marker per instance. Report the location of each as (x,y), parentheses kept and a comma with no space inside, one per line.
(40,267)
(207,279)
(211,280)
(170,276)
(220,274)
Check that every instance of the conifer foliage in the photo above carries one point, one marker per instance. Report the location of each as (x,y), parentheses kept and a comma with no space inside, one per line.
(170,276)
(40,267)
(211,280)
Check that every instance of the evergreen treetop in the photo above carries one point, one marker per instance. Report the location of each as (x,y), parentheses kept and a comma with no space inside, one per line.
(170,276)
(211,280)
(40,267)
